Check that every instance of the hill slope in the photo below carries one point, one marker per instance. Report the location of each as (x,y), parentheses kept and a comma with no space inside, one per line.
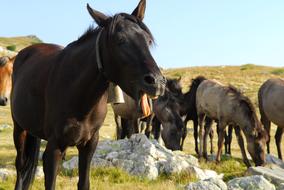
(18,42)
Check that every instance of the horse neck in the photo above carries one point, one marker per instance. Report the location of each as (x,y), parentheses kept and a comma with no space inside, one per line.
(245,121)
(189,101)
(88,82)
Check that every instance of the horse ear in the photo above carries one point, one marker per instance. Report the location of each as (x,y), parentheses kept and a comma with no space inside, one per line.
(99,17)
(179,79)
(140,10)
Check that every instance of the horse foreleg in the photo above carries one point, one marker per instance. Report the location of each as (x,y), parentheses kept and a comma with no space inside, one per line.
(200,134)
(278,137)
(149,126)
(195,134)
(242,146)
(207,129)
(184,134)
(211,135)
(228,140)
(156,126)
(85,156)
(230,131)
(221,136)
(51,157)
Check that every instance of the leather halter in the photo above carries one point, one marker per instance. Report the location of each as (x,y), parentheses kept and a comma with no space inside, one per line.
(98,57)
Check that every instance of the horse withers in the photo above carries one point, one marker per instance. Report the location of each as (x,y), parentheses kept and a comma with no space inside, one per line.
(60,94)
(271,107)
(6,69)
(227,105)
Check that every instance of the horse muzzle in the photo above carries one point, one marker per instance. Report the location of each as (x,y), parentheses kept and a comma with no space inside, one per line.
(3,101)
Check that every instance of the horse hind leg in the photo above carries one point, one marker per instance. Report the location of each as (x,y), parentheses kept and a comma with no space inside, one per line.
(207,129)
(200,133)
(278,137)
(267,126)
(27,147)
(195,135)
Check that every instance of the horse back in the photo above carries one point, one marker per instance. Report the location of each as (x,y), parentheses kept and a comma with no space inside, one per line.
(213,99)
(271,101)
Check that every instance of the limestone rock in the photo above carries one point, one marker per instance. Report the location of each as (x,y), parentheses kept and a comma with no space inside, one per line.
(207,184)
(256,182)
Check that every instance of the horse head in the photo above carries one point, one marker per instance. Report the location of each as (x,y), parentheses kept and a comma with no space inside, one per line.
(123,53)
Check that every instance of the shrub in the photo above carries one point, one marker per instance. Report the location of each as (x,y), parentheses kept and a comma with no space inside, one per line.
(11,47)
(247,67)
(277,71)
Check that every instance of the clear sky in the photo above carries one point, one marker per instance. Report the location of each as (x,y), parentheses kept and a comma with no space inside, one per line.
(187,32)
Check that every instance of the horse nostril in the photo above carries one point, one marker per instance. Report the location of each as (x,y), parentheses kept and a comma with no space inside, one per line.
(149,79)
(5,99)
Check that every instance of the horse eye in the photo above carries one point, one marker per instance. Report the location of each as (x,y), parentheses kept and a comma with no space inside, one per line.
(150,42)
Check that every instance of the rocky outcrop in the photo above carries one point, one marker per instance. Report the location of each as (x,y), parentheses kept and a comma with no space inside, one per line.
(273,173)
(256,182)
(142,157)
(207,184)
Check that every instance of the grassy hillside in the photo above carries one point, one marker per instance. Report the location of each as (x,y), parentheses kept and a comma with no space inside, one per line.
(18,42)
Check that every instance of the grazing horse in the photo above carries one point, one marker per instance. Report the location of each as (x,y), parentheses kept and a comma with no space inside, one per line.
(6,68)
(271,107)
(166,107)
(60,94)
(129,114)
(167,115)
(227,105)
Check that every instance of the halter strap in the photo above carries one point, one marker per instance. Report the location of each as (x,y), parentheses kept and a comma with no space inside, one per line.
(98,57)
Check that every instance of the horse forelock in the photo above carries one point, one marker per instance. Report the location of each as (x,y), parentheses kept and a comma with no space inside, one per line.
(124,16)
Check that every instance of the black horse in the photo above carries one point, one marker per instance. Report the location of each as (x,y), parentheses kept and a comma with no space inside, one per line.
(166,115)
(60,94)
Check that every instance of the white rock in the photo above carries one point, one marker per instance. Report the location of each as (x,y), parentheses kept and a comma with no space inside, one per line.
(142,157)
(273,173)
(270,159)
(5,173)
(256,182)
(207,184)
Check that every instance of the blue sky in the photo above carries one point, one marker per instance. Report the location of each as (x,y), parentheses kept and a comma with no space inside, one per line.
(187,32)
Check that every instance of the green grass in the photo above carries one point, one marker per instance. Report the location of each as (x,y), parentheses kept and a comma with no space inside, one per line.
(279,71)
(249,80)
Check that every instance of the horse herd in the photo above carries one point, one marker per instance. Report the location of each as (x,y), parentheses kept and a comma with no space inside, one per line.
(60,95)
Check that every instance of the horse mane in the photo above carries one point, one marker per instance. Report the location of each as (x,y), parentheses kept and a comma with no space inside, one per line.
(243,99)
(113,20)
(3,60)
(196,81)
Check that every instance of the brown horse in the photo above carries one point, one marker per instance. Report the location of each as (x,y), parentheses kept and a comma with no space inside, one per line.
(133,112)
(60,94)
(271,107)
(6,68)
(227,105)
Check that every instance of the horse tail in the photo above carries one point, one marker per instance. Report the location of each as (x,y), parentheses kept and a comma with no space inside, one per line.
(32,147)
